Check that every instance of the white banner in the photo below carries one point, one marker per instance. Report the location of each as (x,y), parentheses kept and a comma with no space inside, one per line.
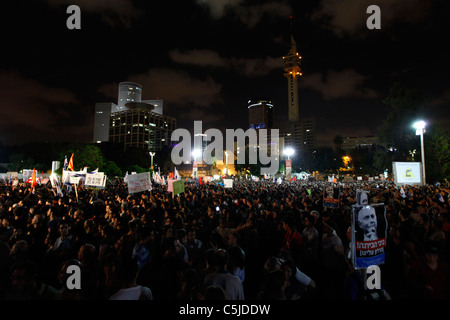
(95,180)
(74,180)
(139,182)
(228,183)
(55,166)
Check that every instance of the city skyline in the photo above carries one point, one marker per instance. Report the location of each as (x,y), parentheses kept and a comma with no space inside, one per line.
(207,59)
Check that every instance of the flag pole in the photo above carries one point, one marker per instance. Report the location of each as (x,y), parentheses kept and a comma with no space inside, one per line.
(76,192)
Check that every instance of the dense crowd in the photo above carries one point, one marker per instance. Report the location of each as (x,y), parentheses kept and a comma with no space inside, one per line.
(258,240)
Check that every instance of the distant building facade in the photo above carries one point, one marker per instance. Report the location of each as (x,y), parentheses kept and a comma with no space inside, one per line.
(299,135)
(351,143)
(141,129)
(133,122)
(102,118)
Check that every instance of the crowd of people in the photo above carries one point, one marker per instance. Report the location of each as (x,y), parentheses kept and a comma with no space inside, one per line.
(260,240)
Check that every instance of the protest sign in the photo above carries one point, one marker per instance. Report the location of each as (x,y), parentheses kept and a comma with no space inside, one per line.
(11,175)
(26,174)
(362,197)
(139,182)
(331,197)
(228,183)
(96,180)
(369,232)
(170,184)
(74,180)
(178,187)
(55,166)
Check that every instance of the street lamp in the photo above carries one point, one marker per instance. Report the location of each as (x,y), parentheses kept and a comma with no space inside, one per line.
(196,153)
(151,155)
(346,160)
(412,153)
(288,152)
(420,130)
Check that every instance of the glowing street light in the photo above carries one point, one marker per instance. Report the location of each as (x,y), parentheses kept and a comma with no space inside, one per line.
(288,152)
(196,153)
(152,154)
(420,130)
(346,160)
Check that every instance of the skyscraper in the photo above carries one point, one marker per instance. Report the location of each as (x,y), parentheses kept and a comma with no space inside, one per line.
(300,135)
(260,113)
(133,122)
(140,127)
(101,120)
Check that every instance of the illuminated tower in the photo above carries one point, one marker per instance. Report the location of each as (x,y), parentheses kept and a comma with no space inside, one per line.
(292,72)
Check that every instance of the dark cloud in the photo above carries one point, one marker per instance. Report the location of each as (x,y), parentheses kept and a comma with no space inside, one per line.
(343,84)
(113,12)
(203,58)
(348,17)
(175,86)
(31,110)
(249,14)
(248,67)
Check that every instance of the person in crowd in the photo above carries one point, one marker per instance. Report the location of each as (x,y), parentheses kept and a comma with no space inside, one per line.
(221,277)
(130,290)
(428,278)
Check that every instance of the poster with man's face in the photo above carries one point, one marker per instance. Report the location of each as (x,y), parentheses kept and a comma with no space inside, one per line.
(331,197)
(369,227)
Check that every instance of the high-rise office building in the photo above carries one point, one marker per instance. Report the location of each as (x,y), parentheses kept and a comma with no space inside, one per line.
(101,120)
(260,113)
(141,128)
(133,122)
(300,135)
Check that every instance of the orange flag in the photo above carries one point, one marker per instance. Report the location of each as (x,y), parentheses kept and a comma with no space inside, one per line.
(70,167)
(33,179)
(200,181)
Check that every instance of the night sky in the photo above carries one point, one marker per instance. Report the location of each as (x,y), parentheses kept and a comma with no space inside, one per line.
(206,59)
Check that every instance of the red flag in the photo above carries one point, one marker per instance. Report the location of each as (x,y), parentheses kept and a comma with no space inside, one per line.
(200,181)
(171,175)
(294,178)
(70,167)
(33,179)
